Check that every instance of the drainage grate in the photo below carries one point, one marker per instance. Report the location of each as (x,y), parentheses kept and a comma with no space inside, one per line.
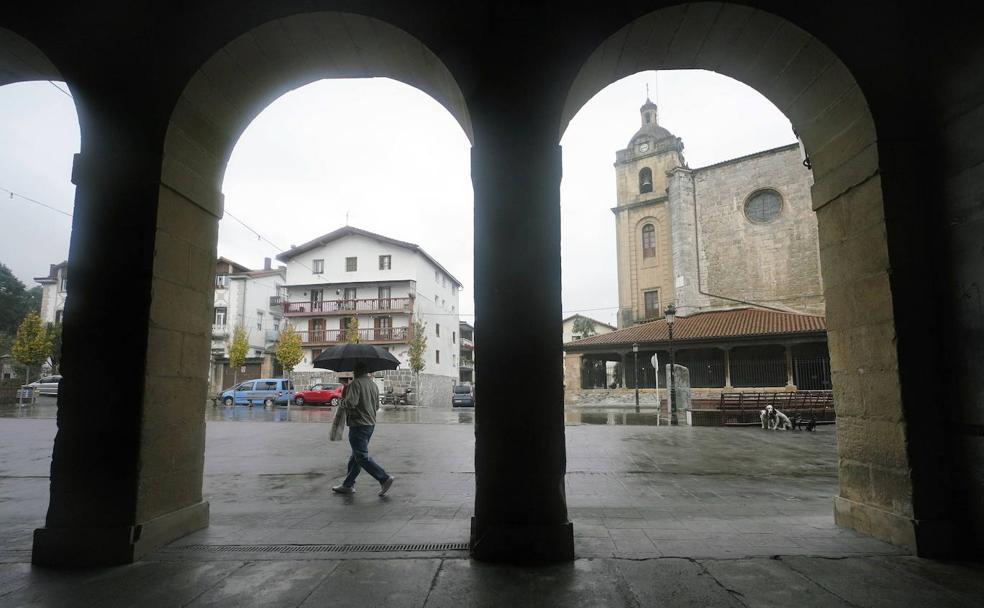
(330,548)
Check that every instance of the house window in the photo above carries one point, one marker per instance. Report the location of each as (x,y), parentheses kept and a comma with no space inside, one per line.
(318,266)
(276,324)
(437,330)
(63,286)
(351,264)
(384,298)
(437,300)
(453,337)
(645,180)
(437,276)
(259,320)
(648,241)
(437,356)
(385,262)
(221,281)
(652,303)
(58,316)
(220,315)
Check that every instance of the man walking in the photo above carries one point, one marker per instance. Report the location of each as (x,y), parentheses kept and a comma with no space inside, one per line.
(360,400)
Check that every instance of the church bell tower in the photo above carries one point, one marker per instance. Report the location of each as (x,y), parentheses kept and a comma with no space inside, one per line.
(642,227)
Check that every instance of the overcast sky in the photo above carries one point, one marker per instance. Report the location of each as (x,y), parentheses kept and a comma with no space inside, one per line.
(394,161)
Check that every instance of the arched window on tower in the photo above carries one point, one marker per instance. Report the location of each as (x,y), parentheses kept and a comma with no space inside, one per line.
(645,180)
(648,241)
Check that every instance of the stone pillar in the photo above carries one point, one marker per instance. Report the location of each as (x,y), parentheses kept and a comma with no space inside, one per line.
(727,369)
(681,193)
(789,368)
(126,471)
(520,457)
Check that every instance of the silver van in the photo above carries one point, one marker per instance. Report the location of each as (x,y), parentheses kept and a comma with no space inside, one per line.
(267,391)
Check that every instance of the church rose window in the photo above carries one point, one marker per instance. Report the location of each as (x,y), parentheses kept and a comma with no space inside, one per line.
(648,241)
(763,206)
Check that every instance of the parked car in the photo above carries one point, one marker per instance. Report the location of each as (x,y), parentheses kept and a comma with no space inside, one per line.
(46,386)
(463,395)
(267,391)
(326,392)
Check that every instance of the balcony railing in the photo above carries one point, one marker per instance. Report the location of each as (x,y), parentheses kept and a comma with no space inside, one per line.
(220,331)
(346,307)
(467,343)
(466,364)
(378,335)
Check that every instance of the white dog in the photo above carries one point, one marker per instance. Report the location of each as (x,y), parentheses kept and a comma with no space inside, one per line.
(773,419)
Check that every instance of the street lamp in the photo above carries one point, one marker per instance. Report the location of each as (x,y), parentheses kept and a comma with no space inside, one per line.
(670,315)
(635,372)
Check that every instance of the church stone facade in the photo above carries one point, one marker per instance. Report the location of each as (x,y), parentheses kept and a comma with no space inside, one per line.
(737,233)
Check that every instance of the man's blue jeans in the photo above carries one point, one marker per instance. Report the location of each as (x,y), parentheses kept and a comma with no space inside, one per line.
(359,440)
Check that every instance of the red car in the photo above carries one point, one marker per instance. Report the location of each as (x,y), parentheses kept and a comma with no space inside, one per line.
(329,393)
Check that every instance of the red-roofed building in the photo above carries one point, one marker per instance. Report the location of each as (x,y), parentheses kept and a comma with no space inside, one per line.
(741,349)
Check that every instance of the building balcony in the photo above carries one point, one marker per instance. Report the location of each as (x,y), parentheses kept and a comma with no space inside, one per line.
(467,344)
(348,307)
(271,335)
(220,331)
(466,365)
(373,335)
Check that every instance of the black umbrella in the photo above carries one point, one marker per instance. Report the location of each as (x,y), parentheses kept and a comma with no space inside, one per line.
(343,357)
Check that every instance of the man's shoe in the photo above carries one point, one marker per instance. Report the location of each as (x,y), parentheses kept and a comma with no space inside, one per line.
(343,490)
(386,485)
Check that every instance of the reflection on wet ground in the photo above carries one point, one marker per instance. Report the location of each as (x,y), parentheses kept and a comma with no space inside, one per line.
(46,408)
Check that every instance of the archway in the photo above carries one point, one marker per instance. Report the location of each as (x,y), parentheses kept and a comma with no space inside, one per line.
(827,108)
(217,103)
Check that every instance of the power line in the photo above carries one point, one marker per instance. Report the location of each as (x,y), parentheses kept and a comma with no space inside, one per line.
(35,201)
(52,83)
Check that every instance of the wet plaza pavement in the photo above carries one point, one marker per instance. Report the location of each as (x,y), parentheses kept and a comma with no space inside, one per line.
(709,516)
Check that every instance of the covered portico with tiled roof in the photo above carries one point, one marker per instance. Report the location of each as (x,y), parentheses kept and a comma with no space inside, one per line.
(744,348)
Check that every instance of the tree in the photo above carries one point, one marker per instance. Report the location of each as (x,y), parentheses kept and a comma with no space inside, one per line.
(288,350)
(238,351)
(418,346)
(351,331)
(14,301)
(583,327)
(32,345)
(55,333)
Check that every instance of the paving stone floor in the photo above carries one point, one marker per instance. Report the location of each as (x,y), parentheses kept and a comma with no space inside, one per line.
(662,516)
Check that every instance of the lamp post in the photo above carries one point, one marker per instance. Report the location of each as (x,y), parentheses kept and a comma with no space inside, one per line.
(670,315)
(635,372)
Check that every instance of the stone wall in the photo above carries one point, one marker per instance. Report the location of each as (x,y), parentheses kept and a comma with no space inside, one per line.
(775,263)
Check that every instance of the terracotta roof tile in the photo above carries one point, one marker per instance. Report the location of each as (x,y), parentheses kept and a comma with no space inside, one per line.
(741,322)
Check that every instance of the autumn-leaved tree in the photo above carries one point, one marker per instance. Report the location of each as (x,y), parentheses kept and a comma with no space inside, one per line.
(418,346)
(351,331)
(32,344)
(288,350)
(238,351)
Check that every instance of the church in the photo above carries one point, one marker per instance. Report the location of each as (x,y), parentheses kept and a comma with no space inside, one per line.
(734,248)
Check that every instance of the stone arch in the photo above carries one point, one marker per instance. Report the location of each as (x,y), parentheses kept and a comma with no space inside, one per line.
(829,113)
(218,102)
(259,66)
(22,61)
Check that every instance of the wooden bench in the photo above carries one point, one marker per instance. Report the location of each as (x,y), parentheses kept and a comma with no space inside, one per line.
(745,408)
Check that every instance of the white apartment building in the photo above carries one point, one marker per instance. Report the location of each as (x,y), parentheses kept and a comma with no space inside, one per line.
(54,289)
(466,362)
(248,298)
(385,284)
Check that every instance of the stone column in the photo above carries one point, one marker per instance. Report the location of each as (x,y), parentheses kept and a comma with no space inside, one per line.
(789,367)
(126,471)
(727,369)
(520,457)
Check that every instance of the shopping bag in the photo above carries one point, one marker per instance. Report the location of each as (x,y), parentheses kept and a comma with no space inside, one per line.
(338,425)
